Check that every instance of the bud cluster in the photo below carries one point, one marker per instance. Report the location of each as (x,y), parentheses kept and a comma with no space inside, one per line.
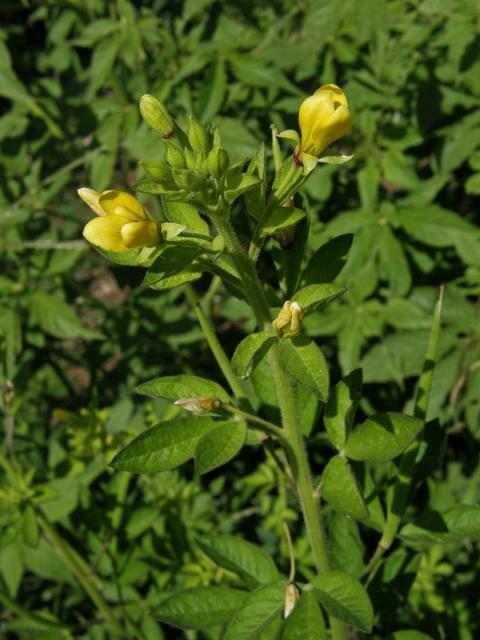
(195,163)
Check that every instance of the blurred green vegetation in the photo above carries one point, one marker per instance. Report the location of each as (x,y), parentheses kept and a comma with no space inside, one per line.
(77,334)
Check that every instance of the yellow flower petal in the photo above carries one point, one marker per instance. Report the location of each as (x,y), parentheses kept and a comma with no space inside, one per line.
(105,232)
(91,197)
(323,117)
(141,234)
(112,200)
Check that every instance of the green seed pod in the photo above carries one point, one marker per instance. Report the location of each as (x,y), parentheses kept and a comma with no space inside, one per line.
(198,137)
(217,162)
(175,157)
(156,116)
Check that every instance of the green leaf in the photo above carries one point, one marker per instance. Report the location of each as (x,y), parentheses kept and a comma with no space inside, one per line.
(344,598)
(238,183)
(393,263)
(186,214)
(258,610)
(250,351)
(316,296)
(340,489)
(454,525)
(219,446)
(189,273)
(306,620)
(251,563)
(171,261)
(165,446)
(435,226)
(201,607)
(422,394)
(327,262)
(305,363)
(410,634)
(212,93)
(341,408)
(57,318)
(282,218)
(182,386)
(383,437)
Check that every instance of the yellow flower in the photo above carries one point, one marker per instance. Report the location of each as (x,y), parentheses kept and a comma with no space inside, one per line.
(122,224)
(323,118)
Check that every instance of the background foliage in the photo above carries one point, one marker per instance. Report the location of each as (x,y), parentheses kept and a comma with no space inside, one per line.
(77,334)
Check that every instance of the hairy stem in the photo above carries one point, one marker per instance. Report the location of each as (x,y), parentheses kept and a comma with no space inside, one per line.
(309,504)
(214,344)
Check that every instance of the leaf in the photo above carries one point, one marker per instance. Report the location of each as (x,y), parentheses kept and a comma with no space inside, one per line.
(185,214)
(305,363)
(306,620)
(383,437)
(316,296)
(344,598)
(341,408)
(164,446)
(171,261)
(327,262)
(219,446)
(250,351)
(57,318)
(201,607)
(212,93)
(454,525)
(410,634)
(340,489)
(182,386)
(251,563)
(282,218)
(393,263)
(237,184)
(422,393)
(258,610)
(435,226)
(190,273)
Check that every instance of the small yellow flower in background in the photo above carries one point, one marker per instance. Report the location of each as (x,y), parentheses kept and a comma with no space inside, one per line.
(122,224)
(323,118)
(288,323)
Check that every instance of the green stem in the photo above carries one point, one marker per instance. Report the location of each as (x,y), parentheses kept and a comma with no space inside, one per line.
(69,556)
(214,344)
(245,267)
(308,501)
(259,423)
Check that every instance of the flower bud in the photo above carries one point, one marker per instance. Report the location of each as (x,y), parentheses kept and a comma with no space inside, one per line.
(202,404)
(288,323)
(217,162)
(324,117)
(156,116)
(158,171)
(198,137)
(175,157)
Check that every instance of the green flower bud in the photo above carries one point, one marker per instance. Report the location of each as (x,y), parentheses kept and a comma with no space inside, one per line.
(175,157)
(156,116)
(190,159)
(217,162)
(158,170)
(198,137)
